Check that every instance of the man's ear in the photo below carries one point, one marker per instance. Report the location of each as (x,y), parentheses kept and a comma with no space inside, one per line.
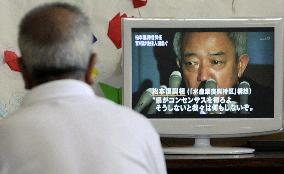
(242,64)
(88,76)
(25,75)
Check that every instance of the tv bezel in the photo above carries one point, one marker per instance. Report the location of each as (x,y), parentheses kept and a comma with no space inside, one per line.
(216,127)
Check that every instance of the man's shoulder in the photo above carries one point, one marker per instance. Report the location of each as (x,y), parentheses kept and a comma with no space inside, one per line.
(261,97)
(122,112)
(259,90)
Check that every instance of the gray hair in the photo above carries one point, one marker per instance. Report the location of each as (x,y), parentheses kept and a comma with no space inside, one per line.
(55,39)
(239,39)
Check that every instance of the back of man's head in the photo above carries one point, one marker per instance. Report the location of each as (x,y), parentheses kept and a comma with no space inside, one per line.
(55,42)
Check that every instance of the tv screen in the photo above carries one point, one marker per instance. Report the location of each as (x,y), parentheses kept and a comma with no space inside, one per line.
(203,72)
(205,77)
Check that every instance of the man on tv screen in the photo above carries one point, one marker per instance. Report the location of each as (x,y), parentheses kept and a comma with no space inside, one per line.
(206,58)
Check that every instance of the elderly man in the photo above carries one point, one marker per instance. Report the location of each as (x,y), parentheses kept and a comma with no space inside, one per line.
(221,57)
(62,127)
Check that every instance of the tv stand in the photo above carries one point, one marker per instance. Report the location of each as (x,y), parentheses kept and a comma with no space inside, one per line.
(203,146)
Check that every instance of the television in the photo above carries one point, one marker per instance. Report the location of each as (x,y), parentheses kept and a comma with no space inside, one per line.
(205,78)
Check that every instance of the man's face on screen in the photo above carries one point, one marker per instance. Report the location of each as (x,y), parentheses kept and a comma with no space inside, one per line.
(209,55)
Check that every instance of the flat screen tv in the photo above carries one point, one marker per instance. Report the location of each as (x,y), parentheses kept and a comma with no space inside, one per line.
(205,78)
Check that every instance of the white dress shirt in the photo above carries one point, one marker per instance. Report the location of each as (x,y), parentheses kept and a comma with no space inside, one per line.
(62,127)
